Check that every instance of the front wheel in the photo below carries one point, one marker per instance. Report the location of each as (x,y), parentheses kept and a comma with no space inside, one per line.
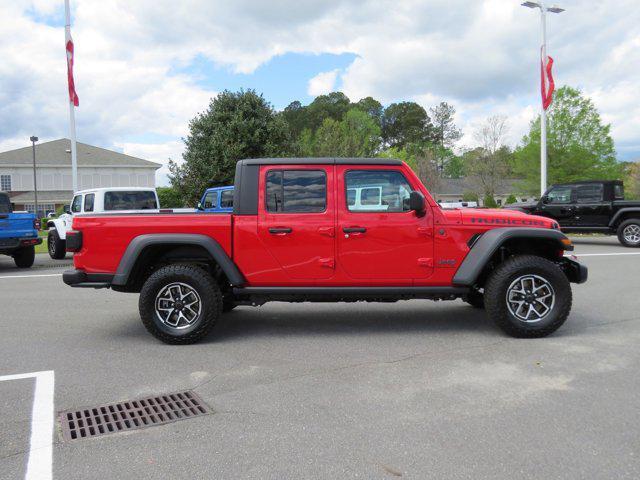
(24,257)
(528,296)
(55,245)
(179,304)
(629,233)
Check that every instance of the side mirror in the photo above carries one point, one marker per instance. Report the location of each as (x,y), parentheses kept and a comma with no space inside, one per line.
(417,203)
(544,199)
(200,207)
(67,209)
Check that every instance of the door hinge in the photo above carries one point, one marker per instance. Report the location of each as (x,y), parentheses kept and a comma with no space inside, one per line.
(425,262)
(327,262)
(426,231)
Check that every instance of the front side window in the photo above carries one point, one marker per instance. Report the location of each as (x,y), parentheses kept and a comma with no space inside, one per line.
(589,193)
(377,191)
(296,191)
(88,202)
(211,200)
(5,183)
(226,199)
(130,200)
(76,205)
(559,195)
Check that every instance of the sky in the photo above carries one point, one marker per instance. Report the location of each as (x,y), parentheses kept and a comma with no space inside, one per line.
(144,68)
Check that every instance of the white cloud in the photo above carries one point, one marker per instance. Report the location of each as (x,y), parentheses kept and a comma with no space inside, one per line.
(323,83)
(482,57)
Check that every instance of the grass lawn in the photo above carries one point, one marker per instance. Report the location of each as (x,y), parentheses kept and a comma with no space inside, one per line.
(42,248)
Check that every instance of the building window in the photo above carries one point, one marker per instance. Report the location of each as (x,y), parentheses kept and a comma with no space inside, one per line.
(5,183)
(43,208)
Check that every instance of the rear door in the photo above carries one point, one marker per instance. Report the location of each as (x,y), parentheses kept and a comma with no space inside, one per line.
(378,237)
(591,209)
(296,219)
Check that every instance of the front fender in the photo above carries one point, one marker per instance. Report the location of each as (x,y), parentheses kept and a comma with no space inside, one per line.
(61,225)
(488,244)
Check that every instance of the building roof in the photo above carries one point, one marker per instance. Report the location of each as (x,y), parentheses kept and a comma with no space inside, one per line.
(45,196)
(458,186)
(57,153)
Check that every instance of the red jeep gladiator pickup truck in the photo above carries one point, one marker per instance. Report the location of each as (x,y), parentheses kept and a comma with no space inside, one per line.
(327,229)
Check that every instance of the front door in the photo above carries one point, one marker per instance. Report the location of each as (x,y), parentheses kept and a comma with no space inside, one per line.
(379,237)
(297,219)
(560,205)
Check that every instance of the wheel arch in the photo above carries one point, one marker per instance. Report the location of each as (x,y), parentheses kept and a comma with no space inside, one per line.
(145,252)
(59,228)
(490,249)
(624,214)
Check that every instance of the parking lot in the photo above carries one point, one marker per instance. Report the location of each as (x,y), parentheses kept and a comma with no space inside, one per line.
(413,389)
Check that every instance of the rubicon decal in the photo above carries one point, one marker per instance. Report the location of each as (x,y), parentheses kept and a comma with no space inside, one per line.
(508,221)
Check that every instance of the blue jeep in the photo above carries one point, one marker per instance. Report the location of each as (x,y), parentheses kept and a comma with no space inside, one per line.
(18,233)
(217,199)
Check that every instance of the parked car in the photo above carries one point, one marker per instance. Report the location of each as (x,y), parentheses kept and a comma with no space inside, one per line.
(295,236)
(98,200)
(217,199)
(594,206)
(18,233)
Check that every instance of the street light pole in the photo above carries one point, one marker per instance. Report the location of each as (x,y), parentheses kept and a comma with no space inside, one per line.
(543,113)
(35,185)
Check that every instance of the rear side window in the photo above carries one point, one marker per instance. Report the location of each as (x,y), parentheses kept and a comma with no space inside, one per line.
(88,202)
(226,199)
(5,203)
(377,191)
(129,200)
(296,191)
(618,192)
(589,193)
(76,205)
(211,200)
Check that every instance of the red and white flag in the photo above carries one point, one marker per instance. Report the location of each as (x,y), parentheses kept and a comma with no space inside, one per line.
(73,96)
(547,86)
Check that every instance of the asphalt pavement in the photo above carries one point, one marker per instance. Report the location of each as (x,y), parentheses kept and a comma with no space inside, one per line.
(413,389)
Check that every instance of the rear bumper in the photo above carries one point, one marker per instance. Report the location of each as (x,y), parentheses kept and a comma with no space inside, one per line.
(575,271)
(81,279)
(9,245)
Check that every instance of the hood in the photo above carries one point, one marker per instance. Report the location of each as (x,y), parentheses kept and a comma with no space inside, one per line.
(498,218)
(522,206)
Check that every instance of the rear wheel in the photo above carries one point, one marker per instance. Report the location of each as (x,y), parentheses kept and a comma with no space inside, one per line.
(179,304)
(55,245)
(629,233)
(24,257)
(528,296)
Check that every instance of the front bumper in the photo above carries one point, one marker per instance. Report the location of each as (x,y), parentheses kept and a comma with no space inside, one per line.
(575,271)
(81,279)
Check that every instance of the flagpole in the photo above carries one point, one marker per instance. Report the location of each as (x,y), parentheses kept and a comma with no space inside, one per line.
(543,114)
(72,116)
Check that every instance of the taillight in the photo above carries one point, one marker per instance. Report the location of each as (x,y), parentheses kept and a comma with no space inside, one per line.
(74,241)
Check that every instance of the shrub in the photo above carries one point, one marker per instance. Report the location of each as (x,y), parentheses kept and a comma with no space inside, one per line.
(490,202)
(511,199)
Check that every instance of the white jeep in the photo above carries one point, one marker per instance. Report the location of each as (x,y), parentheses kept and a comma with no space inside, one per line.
(98,200)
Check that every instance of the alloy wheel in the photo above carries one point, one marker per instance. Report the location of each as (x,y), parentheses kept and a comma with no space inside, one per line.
(530,298)
(178,305)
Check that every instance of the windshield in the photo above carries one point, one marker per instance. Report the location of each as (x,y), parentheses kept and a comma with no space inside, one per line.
(5,203)
(130,200)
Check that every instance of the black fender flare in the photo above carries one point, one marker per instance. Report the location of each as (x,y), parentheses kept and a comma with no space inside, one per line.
(489,243)
(139,243)
(621,212)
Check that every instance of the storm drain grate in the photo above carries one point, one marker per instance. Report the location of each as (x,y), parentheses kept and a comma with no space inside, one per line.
(131,415)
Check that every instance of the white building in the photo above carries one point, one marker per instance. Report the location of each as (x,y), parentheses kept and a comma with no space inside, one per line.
(97,167)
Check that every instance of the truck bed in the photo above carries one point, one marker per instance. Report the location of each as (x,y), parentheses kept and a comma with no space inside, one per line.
(114,232)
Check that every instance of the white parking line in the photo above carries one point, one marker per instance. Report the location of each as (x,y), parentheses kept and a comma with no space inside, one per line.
(32,276)
(40,464)
(604,254)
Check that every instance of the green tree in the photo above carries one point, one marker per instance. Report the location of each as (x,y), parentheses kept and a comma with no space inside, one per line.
(489,202)
(579,145)
(454,166)
(469,196)
(295,114)
(372,107)
(169,197)
(356,135)
(445,133)
(511,199)
(404,123)
(236,125)
(333,105)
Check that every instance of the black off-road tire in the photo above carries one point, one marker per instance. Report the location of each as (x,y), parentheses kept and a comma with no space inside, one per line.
(197,279)
(474,298)
(55,245)
(495,296)
(24,257)
(621,232)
